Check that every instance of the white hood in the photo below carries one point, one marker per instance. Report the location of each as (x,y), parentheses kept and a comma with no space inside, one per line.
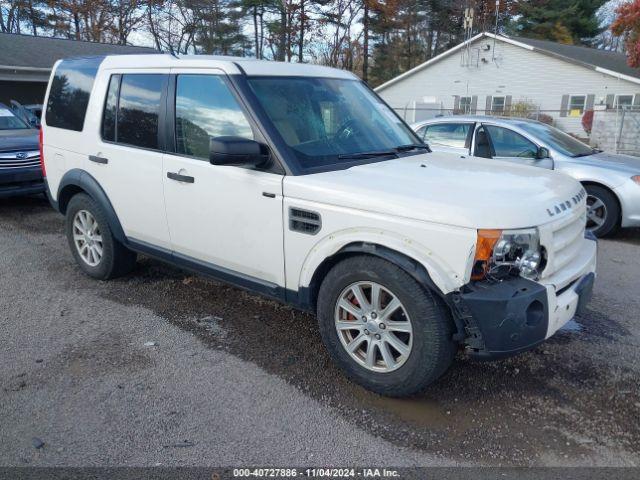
(445,189)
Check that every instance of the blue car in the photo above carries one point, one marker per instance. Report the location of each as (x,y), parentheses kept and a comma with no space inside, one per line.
(20,171)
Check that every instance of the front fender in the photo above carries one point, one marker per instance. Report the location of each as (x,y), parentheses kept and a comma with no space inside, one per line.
(444,277)
(593,174)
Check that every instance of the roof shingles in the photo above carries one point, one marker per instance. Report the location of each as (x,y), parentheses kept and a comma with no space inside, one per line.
(42,52)
(614,61)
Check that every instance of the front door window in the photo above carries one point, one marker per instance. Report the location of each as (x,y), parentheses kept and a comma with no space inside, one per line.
(508,144)
(205,107)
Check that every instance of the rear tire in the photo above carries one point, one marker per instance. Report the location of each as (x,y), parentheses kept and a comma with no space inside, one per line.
(603,211)
(92,243)
(429,344)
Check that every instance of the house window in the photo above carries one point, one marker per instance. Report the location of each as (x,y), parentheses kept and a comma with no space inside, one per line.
(623,101)
(465,104)
(497,105)
(577,105)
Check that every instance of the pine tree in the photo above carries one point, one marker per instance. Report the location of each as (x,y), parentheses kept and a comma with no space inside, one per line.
(218,28)
(561,21)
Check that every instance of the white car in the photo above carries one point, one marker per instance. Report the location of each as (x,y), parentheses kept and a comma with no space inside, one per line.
(297,182)
(612,181)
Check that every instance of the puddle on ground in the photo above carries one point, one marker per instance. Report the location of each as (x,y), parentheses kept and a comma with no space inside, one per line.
(418,411)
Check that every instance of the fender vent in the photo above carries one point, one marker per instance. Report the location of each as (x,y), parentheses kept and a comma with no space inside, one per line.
(304,221)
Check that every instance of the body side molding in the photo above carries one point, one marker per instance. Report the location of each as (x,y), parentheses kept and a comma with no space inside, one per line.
(246,282)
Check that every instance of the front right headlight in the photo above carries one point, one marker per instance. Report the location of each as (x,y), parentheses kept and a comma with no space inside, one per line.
(508,252)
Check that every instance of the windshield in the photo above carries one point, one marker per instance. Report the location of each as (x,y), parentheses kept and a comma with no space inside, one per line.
(8,121)
(328,121)
(560,141)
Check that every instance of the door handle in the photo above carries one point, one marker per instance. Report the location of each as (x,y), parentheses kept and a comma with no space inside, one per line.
(180,178)
(96,159)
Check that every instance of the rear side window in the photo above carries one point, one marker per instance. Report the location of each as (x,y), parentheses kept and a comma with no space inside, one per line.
(69,93)
(132,109)
(448,134)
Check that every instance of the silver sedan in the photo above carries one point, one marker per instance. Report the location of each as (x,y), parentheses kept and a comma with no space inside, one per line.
(612,181)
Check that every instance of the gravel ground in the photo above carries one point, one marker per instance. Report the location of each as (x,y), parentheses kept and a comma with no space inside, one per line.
(233,380)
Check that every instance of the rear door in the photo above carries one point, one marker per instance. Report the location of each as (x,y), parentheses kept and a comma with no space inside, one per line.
(449,137)
(227,218)
(127,159)
(510,146)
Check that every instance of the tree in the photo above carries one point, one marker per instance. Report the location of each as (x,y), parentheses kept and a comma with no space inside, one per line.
(172,25)
(627,25)
(127,15)
(606,16)
(218,27)
(339,45)
(485,14)
(406,33)
(257,9)
(559,20)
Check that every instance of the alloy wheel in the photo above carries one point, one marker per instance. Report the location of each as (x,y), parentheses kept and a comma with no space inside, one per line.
(87,238)
(373,326)
(596,212)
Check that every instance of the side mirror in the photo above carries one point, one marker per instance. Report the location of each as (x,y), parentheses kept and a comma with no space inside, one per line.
(543,153)
(236,151)
(34,122)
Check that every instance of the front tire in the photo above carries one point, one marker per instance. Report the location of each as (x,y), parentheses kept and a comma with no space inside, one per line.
(603,211)
(385,331)
(92,244)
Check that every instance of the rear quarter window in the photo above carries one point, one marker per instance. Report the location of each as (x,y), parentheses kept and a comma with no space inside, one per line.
(70,91)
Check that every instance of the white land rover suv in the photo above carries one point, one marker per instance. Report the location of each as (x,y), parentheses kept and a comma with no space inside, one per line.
(298,182)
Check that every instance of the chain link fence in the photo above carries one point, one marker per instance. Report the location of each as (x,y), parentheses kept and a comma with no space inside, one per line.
(413,114)
(617,130)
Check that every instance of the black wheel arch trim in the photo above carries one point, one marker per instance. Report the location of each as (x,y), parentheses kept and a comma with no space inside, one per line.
(306,297)
(77,180)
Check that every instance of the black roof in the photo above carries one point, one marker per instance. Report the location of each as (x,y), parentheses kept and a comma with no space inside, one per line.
(42,52)
(613,61)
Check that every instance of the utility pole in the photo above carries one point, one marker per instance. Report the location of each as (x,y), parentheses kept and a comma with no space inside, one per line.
(365,47)
(468,34)
(493,55)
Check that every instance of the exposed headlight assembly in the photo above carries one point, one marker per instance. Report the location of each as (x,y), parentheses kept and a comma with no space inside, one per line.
(500,252)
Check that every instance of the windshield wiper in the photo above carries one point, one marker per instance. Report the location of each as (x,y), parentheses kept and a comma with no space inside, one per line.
(384,153)
(364,155)
(412,146)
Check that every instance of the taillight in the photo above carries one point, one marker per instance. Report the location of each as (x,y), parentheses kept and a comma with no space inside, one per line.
(41,145)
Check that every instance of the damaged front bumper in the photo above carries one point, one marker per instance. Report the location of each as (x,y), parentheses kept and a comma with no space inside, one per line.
(514,315)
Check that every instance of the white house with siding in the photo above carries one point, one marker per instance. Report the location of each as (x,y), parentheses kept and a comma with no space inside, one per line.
(489,74)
